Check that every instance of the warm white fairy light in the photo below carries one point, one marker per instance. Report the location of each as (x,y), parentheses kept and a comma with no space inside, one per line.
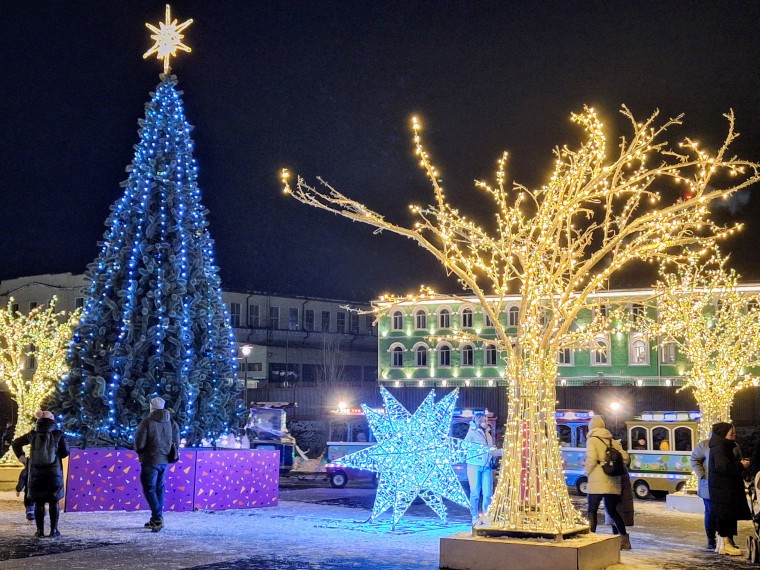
(43,335)
(167,39)
(716,326)
(557,246)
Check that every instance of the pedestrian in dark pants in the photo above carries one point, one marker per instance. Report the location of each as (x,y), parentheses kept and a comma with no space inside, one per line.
(47,448)
(725,479)
(153,440)
(699,463)
(600,485)
(23,487)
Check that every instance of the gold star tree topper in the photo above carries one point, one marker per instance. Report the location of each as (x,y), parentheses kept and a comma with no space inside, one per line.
(167,38)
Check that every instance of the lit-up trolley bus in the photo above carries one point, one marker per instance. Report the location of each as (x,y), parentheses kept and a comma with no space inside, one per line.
(660,444)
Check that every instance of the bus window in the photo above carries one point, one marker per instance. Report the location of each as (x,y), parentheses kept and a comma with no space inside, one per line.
(582,434)
(338,431)
(565,436)
(459,429)
(683,438)
(661,438)
(638,438)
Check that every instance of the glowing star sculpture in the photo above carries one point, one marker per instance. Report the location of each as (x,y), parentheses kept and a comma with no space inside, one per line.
(414,455)
(167,38)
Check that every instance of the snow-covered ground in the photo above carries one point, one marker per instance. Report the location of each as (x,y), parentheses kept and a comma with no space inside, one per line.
(313,528)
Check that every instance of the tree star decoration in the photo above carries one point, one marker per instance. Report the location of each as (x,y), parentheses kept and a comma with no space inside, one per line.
(414,455)
(167,38)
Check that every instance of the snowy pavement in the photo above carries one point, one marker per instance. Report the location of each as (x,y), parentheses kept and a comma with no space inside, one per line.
(313,528)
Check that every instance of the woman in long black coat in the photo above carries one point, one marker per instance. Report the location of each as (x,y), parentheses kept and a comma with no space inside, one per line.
(728,501)
(47,448)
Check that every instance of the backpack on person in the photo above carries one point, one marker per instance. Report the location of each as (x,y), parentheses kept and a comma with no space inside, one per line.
(44,449)
(613,464)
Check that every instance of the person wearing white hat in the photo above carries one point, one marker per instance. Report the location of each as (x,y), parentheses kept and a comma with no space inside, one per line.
(153,441)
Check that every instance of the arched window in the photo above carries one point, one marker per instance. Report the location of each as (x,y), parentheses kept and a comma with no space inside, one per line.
(420,320)
(668,353)
(398,321)
(490,358)
(397,357)
(565,357)
(467,355)
(420,356)
(444,355)
(638,352)
(600,352)
(638,438)
(661,438)
(444,319)
(487,320)
(467,318)
(683,436)
(514,316)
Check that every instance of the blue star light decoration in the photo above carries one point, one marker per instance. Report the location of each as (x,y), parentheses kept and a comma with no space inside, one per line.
(414,455)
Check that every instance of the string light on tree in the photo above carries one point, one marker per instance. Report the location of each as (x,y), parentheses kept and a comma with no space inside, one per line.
(557,245)
(414,455)
(41,336)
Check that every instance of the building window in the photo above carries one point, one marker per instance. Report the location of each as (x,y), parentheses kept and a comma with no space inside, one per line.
(565,357)
(32,305)
(420,356)
(354,323)
(292,319)
(490,355)
(31,359)
(235,314)
(444,355)
(397,359)
(467,355)
(398,321)
(370,321)
(14,308)
(639,352)
(308,319)
(467,319)
(254,319)
(79,303)
(274,317)
(489,322)
(604,311)
(637,312)
(444,319)
(668,353)
(341,322)
(514,316)
(420,320)
(600,352)
(326,321)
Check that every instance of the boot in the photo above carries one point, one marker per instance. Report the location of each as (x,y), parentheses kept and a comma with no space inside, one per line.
(625,542)
(592,521)
(719,546)
(730,548)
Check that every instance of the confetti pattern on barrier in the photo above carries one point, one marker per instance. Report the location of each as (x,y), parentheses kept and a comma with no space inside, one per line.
(236,479)
(109,480)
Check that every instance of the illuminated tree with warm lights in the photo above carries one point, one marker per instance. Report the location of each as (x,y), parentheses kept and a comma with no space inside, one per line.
(715,324)
(41,336)
(558,245)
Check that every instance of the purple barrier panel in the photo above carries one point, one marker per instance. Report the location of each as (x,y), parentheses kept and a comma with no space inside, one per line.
(109,480)
(237,479)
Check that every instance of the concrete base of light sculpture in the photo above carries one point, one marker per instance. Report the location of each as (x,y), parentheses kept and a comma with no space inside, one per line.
(9,476)
(685,503)
(463,551)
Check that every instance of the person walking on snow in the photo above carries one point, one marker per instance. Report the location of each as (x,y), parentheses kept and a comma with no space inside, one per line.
(47,449)
(479,470)
(153,440)
(600,485)
(699,463)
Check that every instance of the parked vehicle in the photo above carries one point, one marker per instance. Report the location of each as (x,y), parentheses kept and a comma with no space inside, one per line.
(265,429)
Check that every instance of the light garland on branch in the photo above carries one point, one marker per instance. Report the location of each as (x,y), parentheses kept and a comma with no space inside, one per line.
(42,335)
(558,245)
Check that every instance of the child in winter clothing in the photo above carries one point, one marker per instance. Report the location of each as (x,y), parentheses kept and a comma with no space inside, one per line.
(21,486)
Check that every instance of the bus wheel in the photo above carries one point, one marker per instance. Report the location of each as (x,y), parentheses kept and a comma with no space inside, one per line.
(581,485)
(339,479)
(641,489)
(680,486)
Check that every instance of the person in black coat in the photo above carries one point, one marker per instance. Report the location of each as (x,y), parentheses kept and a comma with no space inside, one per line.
(728,501)
(45,485)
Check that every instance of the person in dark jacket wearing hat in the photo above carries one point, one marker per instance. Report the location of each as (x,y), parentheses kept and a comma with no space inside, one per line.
(153,440)
(728,501)
(45,484)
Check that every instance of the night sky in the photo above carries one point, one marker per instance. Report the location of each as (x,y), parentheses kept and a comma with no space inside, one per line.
(327,88)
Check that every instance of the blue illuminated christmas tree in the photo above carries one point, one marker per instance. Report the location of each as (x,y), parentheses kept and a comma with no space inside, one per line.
(154,322)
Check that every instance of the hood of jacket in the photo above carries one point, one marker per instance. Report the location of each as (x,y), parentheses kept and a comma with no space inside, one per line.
(159,416)
(718,441)
(44,425)
(604,433)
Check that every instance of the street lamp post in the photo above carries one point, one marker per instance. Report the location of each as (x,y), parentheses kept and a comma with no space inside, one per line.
(615,408)
(246,350)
